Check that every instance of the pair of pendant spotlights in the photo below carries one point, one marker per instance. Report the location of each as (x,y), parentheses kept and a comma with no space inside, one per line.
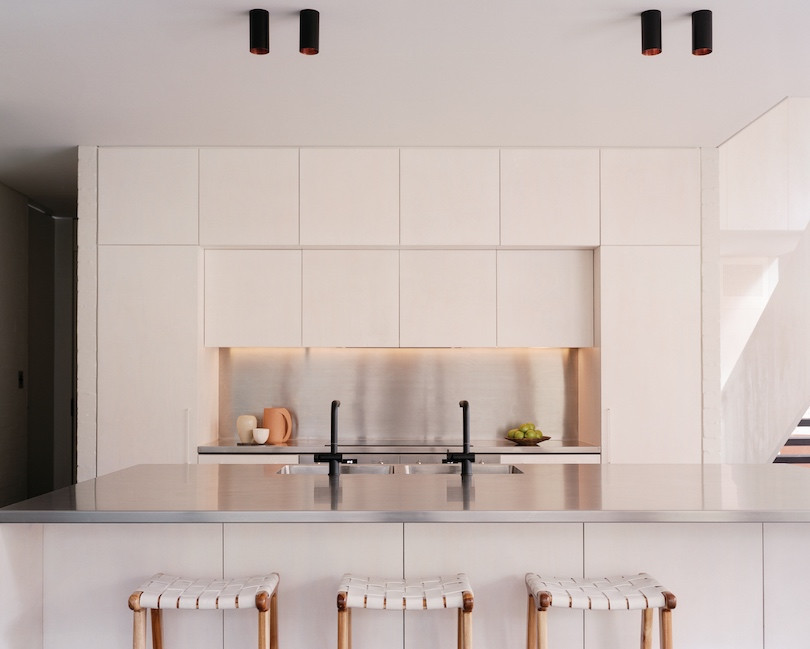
(307,35)
(651,32)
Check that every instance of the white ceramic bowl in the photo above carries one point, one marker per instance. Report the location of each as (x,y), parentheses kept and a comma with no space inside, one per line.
(260,435)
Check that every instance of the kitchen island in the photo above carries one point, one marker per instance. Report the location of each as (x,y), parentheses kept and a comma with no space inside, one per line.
(722,538)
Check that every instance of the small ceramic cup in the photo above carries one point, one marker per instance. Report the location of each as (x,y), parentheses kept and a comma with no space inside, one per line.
(260,435)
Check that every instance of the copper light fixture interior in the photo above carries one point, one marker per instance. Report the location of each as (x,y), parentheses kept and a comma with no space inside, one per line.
(651,32)
(259,31)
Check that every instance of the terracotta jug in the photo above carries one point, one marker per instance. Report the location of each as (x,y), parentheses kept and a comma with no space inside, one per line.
(279,422)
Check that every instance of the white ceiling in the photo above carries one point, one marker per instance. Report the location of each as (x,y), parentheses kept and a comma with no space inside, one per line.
(390,72)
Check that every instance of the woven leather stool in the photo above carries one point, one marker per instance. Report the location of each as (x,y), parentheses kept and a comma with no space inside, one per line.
(166,591)
(418,594)
(638,592)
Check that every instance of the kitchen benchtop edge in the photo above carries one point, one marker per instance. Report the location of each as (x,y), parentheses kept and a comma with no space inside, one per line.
(543,493)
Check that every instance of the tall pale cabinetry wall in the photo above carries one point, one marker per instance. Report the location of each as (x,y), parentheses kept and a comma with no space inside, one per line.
(387,247)
(650,306)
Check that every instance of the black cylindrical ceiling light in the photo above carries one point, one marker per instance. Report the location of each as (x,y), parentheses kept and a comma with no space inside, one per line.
(702,32)
(259,31)
(651,32)
(309,31)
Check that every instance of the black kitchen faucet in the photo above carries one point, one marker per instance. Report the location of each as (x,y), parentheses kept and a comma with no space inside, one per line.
(466,458)
(333,457)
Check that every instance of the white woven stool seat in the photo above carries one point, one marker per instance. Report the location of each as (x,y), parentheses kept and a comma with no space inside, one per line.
(601,593)
(406,594)
(161,592)
(168,591)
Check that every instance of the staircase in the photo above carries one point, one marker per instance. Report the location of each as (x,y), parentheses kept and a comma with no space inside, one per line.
(797,447)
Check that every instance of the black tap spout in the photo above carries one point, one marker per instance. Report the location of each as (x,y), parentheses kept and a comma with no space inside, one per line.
(333,431)
(333,457)
(466,458)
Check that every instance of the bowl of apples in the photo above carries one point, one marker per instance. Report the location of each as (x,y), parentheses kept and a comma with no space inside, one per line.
(526,435)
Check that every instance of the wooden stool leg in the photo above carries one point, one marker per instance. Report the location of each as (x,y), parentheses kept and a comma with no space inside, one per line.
(646,628)
(531,628)
(459,629)
(265,629)
(345,629)
(542,629)
(157,628)
(139,629)
(666,628)
(466,629)
(274,621)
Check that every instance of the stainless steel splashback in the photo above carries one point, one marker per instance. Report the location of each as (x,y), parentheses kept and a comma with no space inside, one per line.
(402,394)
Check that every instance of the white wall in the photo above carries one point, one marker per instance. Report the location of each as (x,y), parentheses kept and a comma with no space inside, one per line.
(769,389)
(764,209)
(710,305)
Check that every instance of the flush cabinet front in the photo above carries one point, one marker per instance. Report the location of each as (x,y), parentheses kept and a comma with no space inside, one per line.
(253,298)
(351,298)
(545,298)
(447,298)
(248,196)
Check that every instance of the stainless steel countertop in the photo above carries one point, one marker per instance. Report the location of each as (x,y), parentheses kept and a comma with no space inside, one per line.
(544,493)
(399,447)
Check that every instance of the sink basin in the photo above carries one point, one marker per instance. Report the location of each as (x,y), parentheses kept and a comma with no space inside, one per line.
(345,469)
(449,469)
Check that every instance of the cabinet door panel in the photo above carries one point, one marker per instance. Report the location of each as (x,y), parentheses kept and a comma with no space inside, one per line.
(724,561)
(545,298)
(449,197)
(550,197)
(496,558)
(650,196)
(786,577)
(253,298)
(106,562)
(447,298)
(651,356)
(248,197)
(351,298)
(147,196)
(310,559)
(147,354)
(349,196)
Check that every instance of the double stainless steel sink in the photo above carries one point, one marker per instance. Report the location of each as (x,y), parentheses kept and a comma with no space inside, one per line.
(345,469)
(406,469)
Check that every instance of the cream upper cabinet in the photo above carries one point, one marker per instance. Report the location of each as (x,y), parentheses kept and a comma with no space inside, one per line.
(351,298)
(350,196)
(550,197)
(248,196)
(651,354)
(650,197)
(545,298)
(253,298)
(147,195)
(447,298)
(449,197)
